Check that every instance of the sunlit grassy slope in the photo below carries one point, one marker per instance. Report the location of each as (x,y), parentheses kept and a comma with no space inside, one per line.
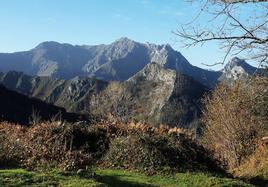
(20,177)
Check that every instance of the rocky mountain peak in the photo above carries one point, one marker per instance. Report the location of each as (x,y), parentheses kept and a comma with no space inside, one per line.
(123,41)
(48,44)
(168,47)
(155,72)
(237,63)
(236,69)
(120,48)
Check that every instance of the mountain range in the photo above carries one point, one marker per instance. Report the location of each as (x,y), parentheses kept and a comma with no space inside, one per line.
(117,61)
(155,94)
(131,80)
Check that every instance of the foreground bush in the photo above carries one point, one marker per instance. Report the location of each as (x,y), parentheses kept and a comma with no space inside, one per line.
(112,144)
(52,145)
(154,153)
(146,148)
(235,120)
(11,150)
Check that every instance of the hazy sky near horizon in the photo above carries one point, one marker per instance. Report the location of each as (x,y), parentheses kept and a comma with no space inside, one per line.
(26,23)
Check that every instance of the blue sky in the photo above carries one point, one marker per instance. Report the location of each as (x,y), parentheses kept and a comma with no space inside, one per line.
(26,23)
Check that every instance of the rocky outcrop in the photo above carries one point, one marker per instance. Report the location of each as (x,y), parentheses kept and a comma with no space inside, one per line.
(155,95)
(237,69)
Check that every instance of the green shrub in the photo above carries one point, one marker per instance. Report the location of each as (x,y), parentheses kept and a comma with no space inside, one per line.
(155,153)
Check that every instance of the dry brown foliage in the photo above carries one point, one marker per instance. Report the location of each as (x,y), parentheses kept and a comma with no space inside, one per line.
(11,151)
(255,166)
(58,145)
(108,143)
(235,119)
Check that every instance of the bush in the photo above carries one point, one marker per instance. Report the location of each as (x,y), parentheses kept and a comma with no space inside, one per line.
(11,151)
(156,153)
(112,144)
(53,145)
(256,166)
(235,118)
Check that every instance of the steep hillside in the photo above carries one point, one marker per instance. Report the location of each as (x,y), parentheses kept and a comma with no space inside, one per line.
(18,108)
(72,94)
(154,95)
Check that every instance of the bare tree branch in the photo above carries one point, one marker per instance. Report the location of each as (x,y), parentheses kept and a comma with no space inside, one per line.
(247,34)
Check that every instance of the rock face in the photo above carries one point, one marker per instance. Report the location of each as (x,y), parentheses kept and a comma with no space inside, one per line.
(118,61)
(155,95)
(237,69)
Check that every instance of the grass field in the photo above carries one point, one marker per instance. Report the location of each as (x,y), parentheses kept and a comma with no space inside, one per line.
(116,178)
